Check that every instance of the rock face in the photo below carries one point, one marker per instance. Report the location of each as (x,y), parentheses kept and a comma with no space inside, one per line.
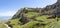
(58,1)
(54,9)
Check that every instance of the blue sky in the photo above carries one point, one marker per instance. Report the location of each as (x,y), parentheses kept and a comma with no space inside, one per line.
(10,7)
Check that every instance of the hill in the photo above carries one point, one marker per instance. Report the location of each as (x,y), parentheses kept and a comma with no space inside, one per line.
(48,17)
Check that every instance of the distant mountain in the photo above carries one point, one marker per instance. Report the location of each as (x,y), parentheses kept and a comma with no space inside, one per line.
(4,18)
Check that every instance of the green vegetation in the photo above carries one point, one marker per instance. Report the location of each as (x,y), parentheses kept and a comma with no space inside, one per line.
(2,25)
(30,24)
(55,25)
(48,17)
(15,23)
(33,19)
(30,14)
(44,17)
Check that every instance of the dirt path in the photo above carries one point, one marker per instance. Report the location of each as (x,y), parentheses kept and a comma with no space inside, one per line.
(7,26)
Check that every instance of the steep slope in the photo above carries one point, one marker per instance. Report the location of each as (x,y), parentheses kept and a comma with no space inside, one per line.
(54,9)
(37,17)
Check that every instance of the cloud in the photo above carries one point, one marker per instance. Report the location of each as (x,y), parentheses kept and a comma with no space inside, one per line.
(7,13)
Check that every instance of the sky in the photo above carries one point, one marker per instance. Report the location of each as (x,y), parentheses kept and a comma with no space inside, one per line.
(10,7)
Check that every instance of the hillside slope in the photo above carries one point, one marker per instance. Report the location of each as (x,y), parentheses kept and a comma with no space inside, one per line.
(48,17)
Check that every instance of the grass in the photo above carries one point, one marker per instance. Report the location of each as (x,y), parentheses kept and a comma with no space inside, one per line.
(44,17)
(15,23)
(30,24)
(30,14)
(27,25)
(16,26)
(55,25)
(2,26)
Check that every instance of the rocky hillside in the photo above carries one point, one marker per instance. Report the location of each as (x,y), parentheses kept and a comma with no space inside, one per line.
(48,17)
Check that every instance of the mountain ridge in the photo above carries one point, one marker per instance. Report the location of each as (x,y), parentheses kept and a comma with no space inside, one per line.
(37,17)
